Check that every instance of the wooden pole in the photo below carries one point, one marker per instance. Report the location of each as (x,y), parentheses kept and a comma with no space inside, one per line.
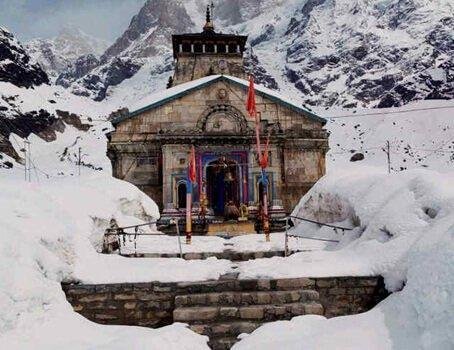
(266,223)
(188,212)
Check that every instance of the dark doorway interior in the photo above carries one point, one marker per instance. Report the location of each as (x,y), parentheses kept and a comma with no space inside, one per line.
(222,184)
(182,195)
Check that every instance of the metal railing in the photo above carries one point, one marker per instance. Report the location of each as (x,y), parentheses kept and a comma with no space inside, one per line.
(287,234)
(121,235)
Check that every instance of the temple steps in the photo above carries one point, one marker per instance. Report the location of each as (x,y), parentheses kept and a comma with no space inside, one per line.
(264,312)
(246,298)
(238,308)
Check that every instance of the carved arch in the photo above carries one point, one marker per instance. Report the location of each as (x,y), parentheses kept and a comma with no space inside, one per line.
(225,112)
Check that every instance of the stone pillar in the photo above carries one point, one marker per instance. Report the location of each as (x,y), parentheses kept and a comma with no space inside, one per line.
(181,47)
(192,48)
(237,48)
(203,48)
(215,48)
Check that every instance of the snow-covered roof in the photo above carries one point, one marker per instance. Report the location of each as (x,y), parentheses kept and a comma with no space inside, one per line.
(158,99)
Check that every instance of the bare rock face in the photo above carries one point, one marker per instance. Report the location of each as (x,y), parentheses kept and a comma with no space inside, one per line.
(15,63)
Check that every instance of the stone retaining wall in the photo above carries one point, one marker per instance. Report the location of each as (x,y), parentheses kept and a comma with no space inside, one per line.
(152,304)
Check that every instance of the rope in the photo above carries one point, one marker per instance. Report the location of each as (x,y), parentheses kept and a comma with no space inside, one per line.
(321,223)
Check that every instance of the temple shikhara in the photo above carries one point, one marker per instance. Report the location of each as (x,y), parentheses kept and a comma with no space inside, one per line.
(203,116)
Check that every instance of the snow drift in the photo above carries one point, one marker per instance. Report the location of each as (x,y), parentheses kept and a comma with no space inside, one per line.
(404,230)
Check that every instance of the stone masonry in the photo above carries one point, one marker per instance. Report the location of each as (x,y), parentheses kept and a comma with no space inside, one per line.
(225,308)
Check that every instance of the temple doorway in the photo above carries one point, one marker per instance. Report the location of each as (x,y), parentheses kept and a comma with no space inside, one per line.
(223,184)
(181,195)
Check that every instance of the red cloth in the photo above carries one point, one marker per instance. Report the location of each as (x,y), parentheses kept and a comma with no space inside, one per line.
(264,158)
(250,103)
(192,172)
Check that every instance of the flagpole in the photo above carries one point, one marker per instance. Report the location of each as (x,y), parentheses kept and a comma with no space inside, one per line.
(188,211)
(266,223)
(262,158)
(192,178)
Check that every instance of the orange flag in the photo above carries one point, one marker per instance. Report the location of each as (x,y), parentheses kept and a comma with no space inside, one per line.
(192,172)
(250,103)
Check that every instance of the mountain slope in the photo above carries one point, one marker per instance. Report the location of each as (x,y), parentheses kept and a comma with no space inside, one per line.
(16,67)
(331,53)
(146,41)
(57,54)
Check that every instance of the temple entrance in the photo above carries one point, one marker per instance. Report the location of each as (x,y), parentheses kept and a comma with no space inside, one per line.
(223,184)
(181,193)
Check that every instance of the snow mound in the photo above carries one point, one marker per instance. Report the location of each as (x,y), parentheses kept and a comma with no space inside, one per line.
(48,231)
(404,231)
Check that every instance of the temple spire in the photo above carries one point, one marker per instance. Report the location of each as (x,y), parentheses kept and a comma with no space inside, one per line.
(209,26)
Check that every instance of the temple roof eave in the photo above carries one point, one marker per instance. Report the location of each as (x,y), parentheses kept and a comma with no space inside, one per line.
(187,88)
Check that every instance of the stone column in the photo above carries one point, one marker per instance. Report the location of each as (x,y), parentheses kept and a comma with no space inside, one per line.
(203,48)
(192,48)
(181,47)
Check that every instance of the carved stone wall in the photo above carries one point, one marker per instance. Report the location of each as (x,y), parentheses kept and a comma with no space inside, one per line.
(196,66)
(215,117)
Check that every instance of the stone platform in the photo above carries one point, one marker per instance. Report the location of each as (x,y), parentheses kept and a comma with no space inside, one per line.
(233,228)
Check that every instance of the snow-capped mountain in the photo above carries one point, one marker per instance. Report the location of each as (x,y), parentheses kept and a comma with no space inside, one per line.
(30,105)
(57,54)
(332,53)
(140,62)
(145,42)
(359,53)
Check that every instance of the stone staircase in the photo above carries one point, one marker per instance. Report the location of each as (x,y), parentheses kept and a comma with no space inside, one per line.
(222,315)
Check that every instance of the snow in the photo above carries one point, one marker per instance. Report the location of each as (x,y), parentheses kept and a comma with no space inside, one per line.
(421,134)
(403,222)
(56,54)
(52,229)
(213,244)
(416,209)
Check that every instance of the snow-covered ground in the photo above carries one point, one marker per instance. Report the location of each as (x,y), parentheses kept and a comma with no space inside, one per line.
(405,232)
(52,227)
(421,135)
(213,244)
(49,234)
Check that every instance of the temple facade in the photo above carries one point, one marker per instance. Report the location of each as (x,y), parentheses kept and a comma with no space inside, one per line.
(205,107)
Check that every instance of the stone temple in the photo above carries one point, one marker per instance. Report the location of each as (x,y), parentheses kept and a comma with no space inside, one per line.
(204,106)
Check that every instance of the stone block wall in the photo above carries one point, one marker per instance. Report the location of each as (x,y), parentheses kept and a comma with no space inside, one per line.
(140,304)
(342,296)
(152,304)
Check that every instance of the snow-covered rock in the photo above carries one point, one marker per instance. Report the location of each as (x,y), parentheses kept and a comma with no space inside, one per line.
(146,40)
(16,67)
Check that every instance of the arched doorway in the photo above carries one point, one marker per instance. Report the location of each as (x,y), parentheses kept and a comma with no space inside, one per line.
(181,195)
(223,184)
